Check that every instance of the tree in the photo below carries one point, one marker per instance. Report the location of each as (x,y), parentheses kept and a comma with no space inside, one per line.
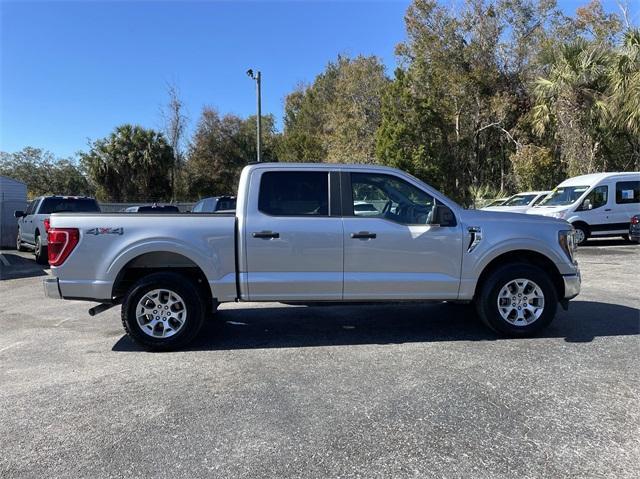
(44,174)
(535,168)
(221,147)
(336,117)
(175,125)
(131,164)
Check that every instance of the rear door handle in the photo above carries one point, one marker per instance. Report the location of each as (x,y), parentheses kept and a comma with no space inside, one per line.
(363,235)
(608,209)
(265,234)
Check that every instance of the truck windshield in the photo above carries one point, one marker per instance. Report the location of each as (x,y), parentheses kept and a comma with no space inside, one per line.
(563,195)
(72,205)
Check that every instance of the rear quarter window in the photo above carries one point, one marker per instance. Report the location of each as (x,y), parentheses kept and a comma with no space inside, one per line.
(627,192)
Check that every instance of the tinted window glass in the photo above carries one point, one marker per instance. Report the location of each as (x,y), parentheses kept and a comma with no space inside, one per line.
(627,192)
(294,193)
(198,207)
(564,195)
(73,205)
(519,200)
(31,207)
(540,198)
(158,209)
(208,205)
(388,197)
(226,204)
(597,198)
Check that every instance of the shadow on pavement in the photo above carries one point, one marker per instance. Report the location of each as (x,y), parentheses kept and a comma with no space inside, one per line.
(19,267)
(294,327)
(607,242)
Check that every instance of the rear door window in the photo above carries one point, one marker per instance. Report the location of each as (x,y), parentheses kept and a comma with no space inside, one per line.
(294,193)
(627,192)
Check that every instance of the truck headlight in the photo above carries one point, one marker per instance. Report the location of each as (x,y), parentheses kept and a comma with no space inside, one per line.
(559,214)
(567,240)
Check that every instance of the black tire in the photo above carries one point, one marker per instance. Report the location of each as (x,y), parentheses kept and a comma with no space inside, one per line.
(585,233)
(191,295)
(42,256)
(19,246)
(487,299)
(627,238)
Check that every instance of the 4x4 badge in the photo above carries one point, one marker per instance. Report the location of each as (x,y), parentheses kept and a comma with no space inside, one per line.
(105,231)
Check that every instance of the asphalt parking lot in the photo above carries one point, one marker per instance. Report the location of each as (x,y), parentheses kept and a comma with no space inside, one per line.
(281,391)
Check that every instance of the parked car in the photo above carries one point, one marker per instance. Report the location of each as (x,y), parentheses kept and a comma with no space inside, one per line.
(296,237)
(520,202)
(154,208)
(33,223)
(496,202)
(215,204)
(597,205)
(634,229)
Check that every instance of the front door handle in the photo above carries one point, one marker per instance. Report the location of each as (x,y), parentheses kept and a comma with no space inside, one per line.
(265,234)
(363,235)
(608,209)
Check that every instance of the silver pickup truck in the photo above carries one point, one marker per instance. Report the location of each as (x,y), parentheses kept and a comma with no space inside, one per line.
(309,233)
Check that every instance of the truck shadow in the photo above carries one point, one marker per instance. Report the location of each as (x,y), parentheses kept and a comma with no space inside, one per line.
(15,266)
(295,327)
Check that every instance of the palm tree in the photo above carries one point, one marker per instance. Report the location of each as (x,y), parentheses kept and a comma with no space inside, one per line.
(571,98)
(623,95)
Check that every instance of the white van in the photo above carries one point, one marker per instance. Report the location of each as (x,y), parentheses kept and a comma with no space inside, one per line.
(597,205)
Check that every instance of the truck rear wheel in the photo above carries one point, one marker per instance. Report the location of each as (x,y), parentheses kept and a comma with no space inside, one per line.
(42,256)
(517,300)
(163,311)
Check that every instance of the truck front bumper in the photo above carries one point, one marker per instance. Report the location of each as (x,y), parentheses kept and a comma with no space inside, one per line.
(51,288)
(572,285)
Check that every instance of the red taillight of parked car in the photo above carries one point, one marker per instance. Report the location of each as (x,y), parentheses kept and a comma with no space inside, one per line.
(47,225)
(635,220)
(61,243)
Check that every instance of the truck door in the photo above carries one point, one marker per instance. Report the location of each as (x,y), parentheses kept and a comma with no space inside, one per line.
(27,227)
(293,241)
(391,250)
(595,208)
(627,204)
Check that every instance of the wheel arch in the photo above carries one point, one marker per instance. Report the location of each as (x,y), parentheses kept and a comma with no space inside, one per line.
(522,256)
(147,263)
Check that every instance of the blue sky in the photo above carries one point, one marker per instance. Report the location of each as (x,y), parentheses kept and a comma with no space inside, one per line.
(71,71)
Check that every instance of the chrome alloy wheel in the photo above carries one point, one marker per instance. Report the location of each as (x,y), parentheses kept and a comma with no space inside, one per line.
(521,302)
(580,236)
(161,313)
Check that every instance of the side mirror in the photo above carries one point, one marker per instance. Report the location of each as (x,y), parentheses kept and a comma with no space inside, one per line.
(443,216)
(18,214)
(586,204)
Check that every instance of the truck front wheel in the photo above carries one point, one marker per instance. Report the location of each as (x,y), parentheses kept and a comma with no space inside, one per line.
(163,311)
(517,300)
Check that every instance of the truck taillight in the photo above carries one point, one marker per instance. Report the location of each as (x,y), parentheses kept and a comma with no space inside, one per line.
(61,242)
(47,225)
(635,220)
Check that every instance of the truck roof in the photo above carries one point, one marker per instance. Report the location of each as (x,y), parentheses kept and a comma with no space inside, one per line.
(327,166)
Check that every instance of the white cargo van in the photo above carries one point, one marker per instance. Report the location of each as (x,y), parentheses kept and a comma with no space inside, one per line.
(597,205)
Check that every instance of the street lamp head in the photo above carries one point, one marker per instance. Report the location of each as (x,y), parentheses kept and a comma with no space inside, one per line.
(250,73)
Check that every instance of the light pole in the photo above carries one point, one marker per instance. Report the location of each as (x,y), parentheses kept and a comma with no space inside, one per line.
(257,78)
